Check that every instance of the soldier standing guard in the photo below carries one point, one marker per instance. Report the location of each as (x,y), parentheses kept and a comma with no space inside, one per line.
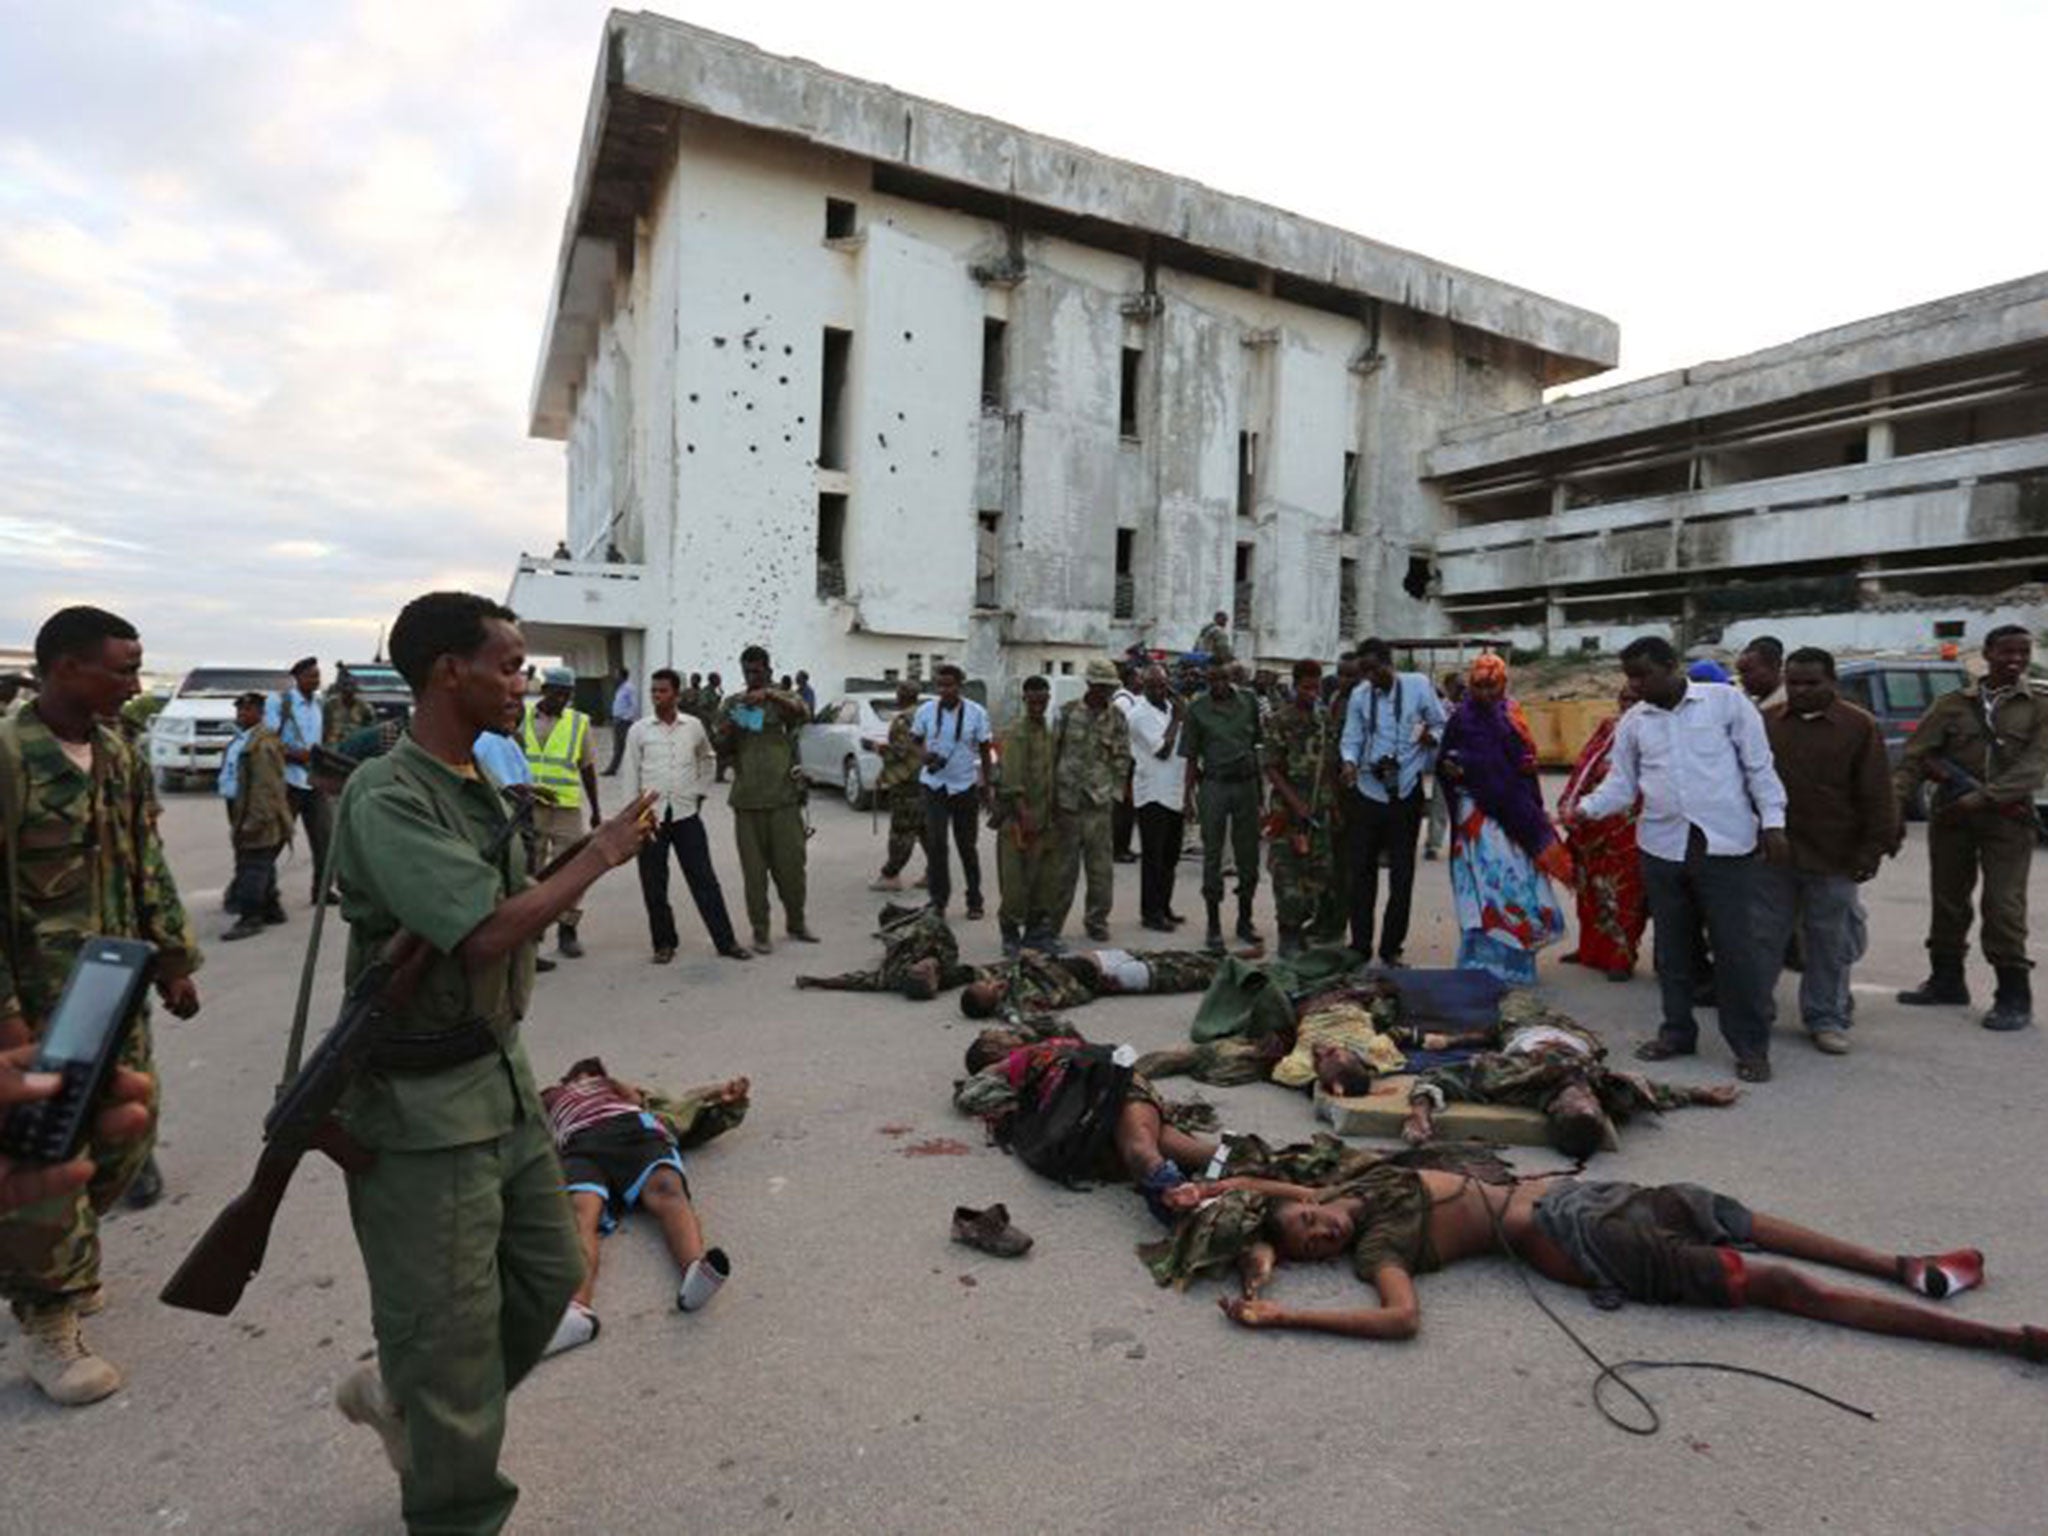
(1091,753)
(78,840)
(1297,758)
(756,732)
(1030,857)
(259,819)
(466,1236)
(899,791)
(1984,749)
(345,712)
(1221,743)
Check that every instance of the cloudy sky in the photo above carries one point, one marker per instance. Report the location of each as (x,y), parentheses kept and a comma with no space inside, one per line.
(272,275)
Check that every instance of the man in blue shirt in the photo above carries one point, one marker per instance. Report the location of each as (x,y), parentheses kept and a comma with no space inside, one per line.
(1391,727)
(953,734)
(625,710)
(297,717)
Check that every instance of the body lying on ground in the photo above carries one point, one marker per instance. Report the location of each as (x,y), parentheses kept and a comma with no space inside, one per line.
(1676,1244)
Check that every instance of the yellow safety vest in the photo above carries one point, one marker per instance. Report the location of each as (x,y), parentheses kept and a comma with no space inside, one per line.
(558,764)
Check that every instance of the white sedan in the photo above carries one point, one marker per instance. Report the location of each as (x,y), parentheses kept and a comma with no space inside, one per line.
(842,745)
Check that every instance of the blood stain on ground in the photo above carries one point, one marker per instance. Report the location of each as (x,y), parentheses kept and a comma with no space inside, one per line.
(937,1146)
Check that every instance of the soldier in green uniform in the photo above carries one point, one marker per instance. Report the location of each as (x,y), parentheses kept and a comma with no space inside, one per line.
(899,791)
(1984,750)
(1298,749)
(1221,743)
(1091,753)
(709,698)
(1030,855)
(259,819)
(1333,910)
(466,1236)
(920,959)
(345,712)
(1036,983)
(81,857)
(757,730)
(1214,640)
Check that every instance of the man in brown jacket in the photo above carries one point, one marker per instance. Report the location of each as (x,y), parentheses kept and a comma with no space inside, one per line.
(1983,753)
(259,819)
(1842,819)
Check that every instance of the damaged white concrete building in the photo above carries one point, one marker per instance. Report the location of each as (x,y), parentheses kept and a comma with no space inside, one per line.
(878,382)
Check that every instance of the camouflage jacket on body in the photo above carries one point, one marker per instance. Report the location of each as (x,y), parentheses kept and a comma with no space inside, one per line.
(1298,742)
(85,860)
(1092,752)
(340,718)
(260,815)
(901,757)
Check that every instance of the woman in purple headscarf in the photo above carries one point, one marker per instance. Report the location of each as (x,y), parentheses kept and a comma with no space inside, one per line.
(1504,851)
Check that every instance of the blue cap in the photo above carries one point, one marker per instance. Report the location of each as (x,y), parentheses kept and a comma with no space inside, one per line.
(1704,671)
(558,677)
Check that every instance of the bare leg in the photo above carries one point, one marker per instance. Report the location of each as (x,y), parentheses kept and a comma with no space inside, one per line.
(588,1210)
(1144,1140)
(1782,1288)
(1774,1234)
(665,1201)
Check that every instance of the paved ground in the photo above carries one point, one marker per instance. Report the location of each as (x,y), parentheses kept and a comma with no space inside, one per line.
(862,1374)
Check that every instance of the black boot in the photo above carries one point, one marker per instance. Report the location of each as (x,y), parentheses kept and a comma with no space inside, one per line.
(146,1188)
(1213,942)
(1943,988)
(2013,1007)
(1290,943)
(567,945)
(1245,930)
(246,927)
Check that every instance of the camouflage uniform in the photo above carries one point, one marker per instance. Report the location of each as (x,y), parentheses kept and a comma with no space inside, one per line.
(899,790)
(1039,983)
(87,864)
(1091,750)
(1298,744)
(1333,906)
(908,940)
(259,825)
(1029,874)
(341,717)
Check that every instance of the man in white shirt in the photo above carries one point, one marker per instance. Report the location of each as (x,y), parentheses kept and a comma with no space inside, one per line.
(1698,755)
(1392,723)
(953,734)
(1123,816)
(1158,798)
(669,754)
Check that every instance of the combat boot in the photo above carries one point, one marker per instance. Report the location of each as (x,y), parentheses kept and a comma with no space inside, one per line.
(1943,988)
(567,945)
(61,1363)
(1290,943)
(2013,1007)
(1245,930)
(1213,940)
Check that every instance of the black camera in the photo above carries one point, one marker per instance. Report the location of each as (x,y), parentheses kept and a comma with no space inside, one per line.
(1388,771)
(935,762)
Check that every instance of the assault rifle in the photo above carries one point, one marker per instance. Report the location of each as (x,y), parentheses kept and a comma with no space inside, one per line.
(225,1259)
(1953,782)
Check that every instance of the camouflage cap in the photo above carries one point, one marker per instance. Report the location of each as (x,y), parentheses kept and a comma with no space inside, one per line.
(1103,672)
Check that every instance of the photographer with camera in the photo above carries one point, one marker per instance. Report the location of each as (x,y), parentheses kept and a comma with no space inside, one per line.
(953,733)
(1391,726)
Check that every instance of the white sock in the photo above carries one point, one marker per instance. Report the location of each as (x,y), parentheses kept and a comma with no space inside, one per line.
(578,1326)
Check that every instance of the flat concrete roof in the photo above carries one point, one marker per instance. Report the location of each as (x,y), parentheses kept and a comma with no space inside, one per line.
(652,61)
(1962,325)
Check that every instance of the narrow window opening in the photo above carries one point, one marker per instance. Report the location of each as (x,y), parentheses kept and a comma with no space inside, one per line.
(1126,578)
(1347,597)
(992,332)
(1589,645)
(831,544)
(1350,505)
(987,537)
(1247,472)
(1241,593)
(913,666)
(1416,582)
(1127,393)
(841,219)
(832,405)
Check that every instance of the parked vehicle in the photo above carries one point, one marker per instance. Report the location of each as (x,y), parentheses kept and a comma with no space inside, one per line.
(1898,693)
(379,685)
(189,735)
(834,748)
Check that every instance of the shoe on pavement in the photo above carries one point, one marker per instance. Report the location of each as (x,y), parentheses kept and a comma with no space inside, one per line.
(61,1363)
(362,1400)
(144,1190)
(886,883)
(762,946)
(1099,932)
(567,945)
(543,964)
(736,952)
(990,1231)
(804,936)
(245,928)
(665,954)
(1831,1042)
(579,1325)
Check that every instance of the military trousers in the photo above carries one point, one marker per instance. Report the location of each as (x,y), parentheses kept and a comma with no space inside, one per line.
(771,845)
(1028,882)
(1086,852)
(1301,880)
(472,1256)
(1959,848)
(906,825)
(1230,815)
(50,1251)
(555,828)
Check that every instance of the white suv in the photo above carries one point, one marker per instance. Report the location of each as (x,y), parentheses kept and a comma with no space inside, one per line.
(188,736)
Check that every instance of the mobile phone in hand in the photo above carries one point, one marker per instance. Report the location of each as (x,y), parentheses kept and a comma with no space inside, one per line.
(81,1043)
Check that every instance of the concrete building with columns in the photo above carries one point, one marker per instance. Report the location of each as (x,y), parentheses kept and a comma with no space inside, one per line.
(1879,486)
(877,382)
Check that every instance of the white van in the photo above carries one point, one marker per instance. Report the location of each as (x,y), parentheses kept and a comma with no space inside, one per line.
(189,735)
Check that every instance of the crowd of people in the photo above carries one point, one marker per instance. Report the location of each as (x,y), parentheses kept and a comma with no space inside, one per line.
(1731,814)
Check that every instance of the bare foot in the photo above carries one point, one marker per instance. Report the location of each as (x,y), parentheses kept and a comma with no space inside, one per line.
(1420,1124)
(1720,1096)
(733,1092)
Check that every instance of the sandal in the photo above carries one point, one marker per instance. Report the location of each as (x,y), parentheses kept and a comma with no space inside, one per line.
(1754,1069)
(1664,1048)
